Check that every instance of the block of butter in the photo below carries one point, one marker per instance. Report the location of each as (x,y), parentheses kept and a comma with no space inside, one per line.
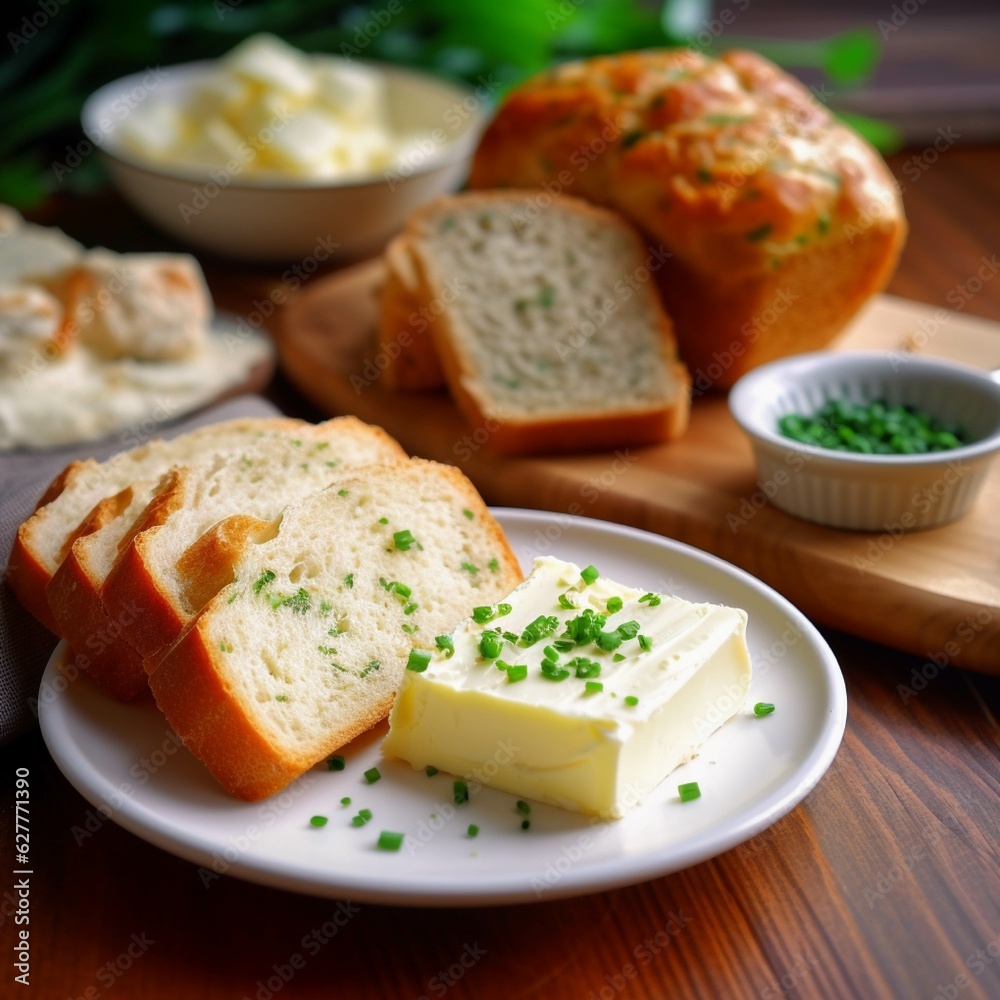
(574,690)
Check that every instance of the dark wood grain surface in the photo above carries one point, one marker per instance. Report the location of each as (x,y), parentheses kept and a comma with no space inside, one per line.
(884,882)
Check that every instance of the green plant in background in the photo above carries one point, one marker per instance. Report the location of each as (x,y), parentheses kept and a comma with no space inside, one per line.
(59,57)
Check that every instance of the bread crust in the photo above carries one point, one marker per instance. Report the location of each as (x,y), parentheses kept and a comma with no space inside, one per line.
(26,570)
(411,362)
(744,178)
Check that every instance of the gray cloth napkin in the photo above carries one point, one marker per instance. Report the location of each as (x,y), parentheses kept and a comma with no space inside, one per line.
(25,645)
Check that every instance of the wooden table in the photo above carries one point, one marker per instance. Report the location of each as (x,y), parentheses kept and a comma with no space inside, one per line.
(884,882)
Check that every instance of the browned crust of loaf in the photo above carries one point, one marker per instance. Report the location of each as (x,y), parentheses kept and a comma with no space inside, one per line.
(130,587)
(74,597)
(801,307)
(27,573)
(190,686)
(411,362)
(567,432)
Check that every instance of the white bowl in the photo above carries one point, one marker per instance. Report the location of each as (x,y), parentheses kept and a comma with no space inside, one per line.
(892,493)
(285,219)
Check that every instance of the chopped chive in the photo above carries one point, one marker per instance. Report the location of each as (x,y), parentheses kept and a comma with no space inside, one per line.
(357,821)
(628,630)
(318,820)
(522,807)
(468,513)
(404,540)
(494,565)
(343,493)
(510,636)
(365,814)
(430,770)
(553,672)
(345,801)
(541,628)
(349,581)
(593,687)
(763,708)
(281,697)
(614,604)
(418,660)
(551,653)
(446,643)
(490,645)
(565,602)
(336,763)
(410,607)
(473,830)
(609,641)
(262,581)
(483,613)
(390,841)
(651,599)
(372,665)
(646,642)
(631,700)
(410,629)
(503,609)
(525,824)
(372,775)
(469,568)
(584,668)
(517,672)
(383,520)
(618,657)
(689,791)
(589,574)
(459,792)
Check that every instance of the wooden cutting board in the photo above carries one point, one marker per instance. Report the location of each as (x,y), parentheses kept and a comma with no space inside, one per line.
(935,593)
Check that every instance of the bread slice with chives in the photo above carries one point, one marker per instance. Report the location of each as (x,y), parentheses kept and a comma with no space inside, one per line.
(121,593)
(548,323)
(306,648)
(88,494)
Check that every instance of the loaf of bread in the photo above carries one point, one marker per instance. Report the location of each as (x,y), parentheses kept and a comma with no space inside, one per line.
(549,331)
(122,592)
(88,494)
(778,222)
(305,648)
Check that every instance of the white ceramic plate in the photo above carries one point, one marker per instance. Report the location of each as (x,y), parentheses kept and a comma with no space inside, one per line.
(125,760)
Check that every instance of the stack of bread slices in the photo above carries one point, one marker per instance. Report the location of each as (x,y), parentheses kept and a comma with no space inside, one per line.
(266,579)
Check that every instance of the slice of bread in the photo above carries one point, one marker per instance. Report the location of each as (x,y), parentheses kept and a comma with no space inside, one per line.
(553,337)
(405,343)
(82,498)
(109,601)
(306,647)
